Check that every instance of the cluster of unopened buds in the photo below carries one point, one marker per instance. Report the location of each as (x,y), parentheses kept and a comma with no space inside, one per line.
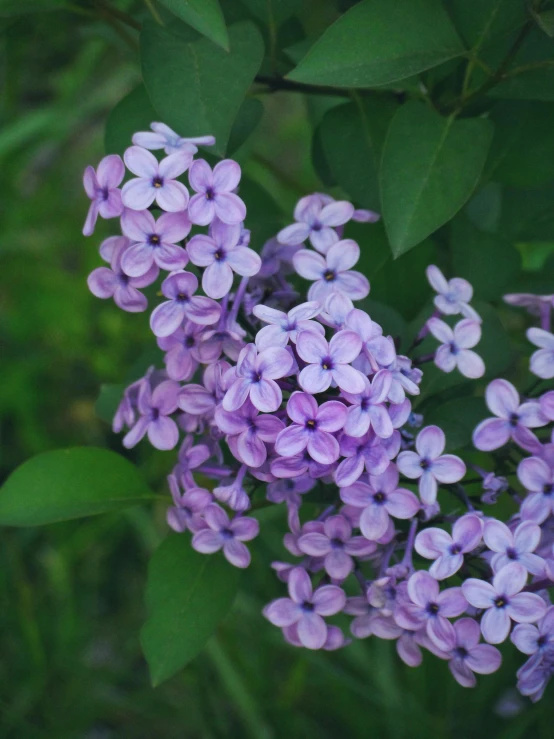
(271,395)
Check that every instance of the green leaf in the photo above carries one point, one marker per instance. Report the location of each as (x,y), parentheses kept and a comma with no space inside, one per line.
(545,21)
(457,418)
(490,263)
(13,8)
(205,16)
(70,483)
(485,207)
(429,169)
(377,42)
(187,595)
(479,21)
(353,136)
(197,88)
(272,12)
(133,113)
(534,64)
(249,116)
(264,217)
(527,215)
(108,400)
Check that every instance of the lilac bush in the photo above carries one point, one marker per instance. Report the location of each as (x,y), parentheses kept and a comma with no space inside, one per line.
(275,378)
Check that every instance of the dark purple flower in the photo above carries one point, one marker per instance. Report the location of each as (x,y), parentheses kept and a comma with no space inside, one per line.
(367,409)
(538,478)
(287,467)
(457,343)
(365,451)
(114,283)
(214,193)
(315,217)
(155,241)
(179,288)
(448,551)
(514,547)
(337,546)
(513,421)
(430,608)
(289,490)
(312,428)
(156,181)
(221,255)
(332,273)
(429,464)
(503,601)
(187,507)
(155,407)
(248,432)
(226,535)
(329,361)
(306,608)
(102,188)
(285,327)
(255,379)
(453,295)
(468,656)
(163,137)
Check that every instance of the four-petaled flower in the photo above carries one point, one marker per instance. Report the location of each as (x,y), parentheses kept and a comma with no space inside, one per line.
(155,407)
(255,376)
(538,478)
(448,551)
(455,350)
(535,638)
(468,656)
(514,547)
(164,137)
(284,327)
(248,432)
(542,361)
(453,295)
(155,242)
(367,409)
(102,188)
(227,535)
(214,193)
(332,273)
(186,511)
(329,361)
(179,289)
(156,181)
(315,219)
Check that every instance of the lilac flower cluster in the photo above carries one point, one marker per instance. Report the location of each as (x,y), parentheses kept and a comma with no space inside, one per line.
(304,398)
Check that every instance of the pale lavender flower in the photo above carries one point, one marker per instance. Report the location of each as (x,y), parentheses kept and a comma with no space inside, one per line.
(191,456)
(221,255)
(538,478)
(542,361)
(284,327)
(336,310)
(306,608)
(429,464)
(155,407)
(155,242)
(315,217)
(365,451)
(513,419)
(233,493)
(337,546)
(367,409)
(448,551)
(430,608)
(184,350)
(155,181)
(312,428)
(517,546)
(377,350)
(201,400)
(214,193)
(179,289)
(226,535)
(502,601)
(335,637)
(114,283)
(248,432)
(102,188)
(187,508)
(380,499)
(329,361)
(535,638)
(535,304)
(405,379)
(453,295)
(468,656)
(455,350)
(163,137)
(535,674)
(332,272)
(362,215)
(255,376)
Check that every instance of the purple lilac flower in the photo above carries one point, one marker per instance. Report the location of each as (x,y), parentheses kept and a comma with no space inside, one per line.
(514,547)
(332,273)
(535,674)
(367,409)
(429,464)
(155,407)
(377,350)
(335,638)
(214,193)
(315,219)
(430,608)
(255,376)
(184,350)
(201,400)
(538,478)
(155,242)
(289,490)
(546,403)
(362,215)
(221,256)
(448,551)
(513,420)
(285,327)
(248,432)
(493,485)
(542,361)
(365,451)
(468,656)
(455,350)
(312,428)
(227,535)
(113,283)
(102,188)
(179,289)
(163,137)
(380,499)
(405,379)
(502,601)
(337,546)
(233,493)
(537,305)
(156,181)
(306,608)
(191,456)
(187,508)
(535,638)
(291,467)
(329,361)
(453,295)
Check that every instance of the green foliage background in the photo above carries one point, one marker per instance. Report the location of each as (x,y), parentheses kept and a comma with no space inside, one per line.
(72,593)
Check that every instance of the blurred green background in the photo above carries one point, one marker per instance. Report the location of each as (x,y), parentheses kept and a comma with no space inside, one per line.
(72,594)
